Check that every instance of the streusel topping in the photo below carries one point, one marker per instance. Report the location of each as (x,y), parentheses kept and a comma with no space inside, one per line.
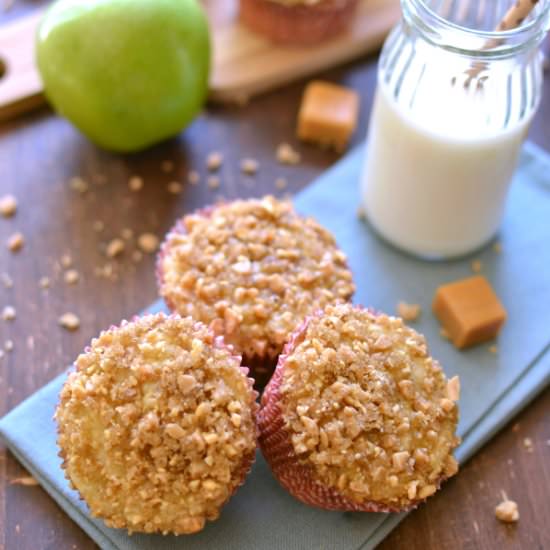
(156,424)
(252,270)
(368,408)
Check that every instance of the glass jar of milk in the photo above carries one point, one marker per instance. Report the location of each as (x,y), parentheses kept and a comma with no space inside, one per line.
(452,108)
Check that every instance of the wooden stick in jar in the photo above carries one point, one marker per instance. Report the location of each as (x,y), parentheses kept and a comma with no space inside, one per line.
(514,17)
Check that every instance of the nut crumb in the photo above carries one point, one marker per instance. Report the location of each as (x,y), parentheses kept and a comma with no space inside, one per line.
(15,242)
(6,280)
(8,345)
(27,481)
(493,349)
(408,312)
(193,177)
(213,182)
(44,282)
(214,161)
(507,511)
(476,266)
(174,187)
(148,242)
(167,166)
(287,155)
(98,226)
(528,444)
(78,184)
(115,248)
(281,183)
(8,206)
(249,166)
(71,277)
(69,321)
(8,313)
(66,261)
(135,183)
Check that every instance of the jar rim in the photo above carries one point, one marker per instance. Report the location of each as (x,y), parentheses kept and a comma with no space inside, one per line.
(505,43)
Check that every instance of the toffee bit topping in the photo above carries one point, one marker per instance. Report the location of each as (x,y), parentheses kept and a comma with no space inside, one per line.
(252,270)
(363,403)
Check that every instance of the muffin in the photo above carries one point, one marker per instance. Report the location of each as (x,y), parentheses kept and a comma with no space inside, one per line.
(358,416)
(156,425)
(298,22)
(252,270)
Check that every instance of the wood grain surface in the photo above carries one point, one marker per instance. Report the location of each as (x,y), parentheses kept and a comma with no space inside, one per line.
(40,153)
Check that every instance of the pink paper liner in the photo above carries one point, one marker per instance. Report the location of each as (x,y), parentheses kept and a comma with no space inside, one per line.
(240,475)
(298,478)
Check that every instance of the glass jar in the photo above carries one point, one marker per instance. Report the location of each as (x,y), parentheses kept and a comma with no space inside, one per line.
(452,109)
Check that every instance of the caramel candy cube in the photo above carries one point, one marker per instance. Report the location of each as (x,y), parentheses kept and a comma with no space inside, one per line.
(328,114)
(469,311)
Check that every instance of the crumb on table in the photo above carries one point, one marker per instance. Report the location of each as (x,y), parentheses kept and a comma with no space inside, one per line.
(408,312)
(69,321)
(8,206)
(507,511)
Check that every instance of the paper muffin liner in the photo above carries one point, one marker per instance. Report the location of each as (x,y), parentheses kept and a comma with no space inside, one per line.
(299,24)
(299,478)
(239,476)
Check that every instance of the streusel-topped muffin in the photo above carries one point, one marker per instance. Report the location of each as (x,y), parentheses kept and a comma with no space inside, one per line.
(157,425)
(358,416)
(252,270)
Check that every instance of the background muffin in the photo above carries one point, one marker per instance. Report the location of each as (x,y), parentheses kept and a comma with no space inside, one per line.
(252,270)
(357,415)
(298,22)
(157,425)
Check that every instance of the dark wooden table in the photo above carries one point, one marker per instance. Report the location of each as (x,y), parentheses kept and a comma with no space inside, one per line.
(40,153)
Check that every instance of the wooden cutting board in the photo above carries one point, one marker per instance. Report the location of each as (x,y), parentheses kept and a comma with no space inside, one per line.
(245,63)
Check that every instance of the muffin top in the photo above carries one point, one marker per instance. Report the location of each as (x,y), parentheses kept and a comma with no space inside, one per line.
(252,270)
(156,425)
(368,408)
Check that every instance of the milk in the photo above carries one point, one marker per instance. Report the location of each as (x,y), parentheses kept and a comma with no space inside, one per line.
(436,176)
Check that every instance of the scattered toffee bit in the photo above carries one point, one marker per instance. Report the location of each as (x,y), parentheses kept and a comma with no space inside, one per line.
(71,277)
(287,155)
(78,184)
(98,226)
(69,321)
(408,312)
(493,349)
(281,183)
(476,266)
(193,177)
(115,248)
(8,206)
(528,444)
(148,243)
(66,261)
(44,282)
(6,280)
(8,345)
(27,481)
(127,233)
(214,161)
(15,242)
(249,166)
(167,166)
(507,511)
(135,183)
(213,182)
(174,187)
(8,313)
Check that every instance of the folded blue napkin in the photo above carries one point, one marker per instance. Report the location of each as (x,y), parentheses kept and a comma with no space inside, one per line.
(495,386)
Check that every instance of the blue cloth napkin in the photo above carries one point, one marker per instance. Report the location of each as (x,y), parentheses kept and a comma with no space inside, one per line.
(494,386)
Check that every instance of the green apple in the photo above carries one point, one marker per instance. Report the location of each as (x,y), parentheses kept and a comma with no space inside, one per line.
(127,73)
